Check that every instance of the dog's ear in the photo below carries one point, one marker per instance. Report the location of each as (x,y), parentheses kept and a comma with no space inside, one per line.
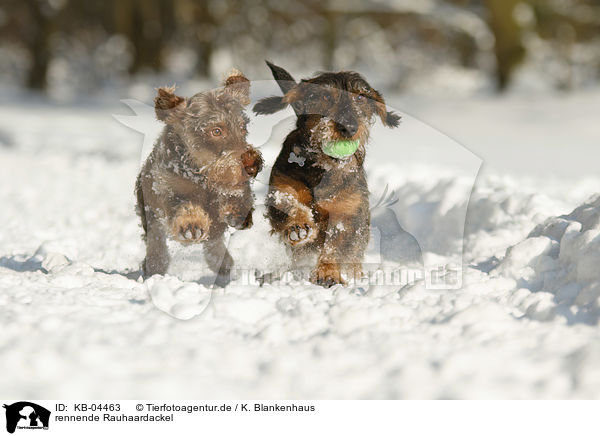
(270,105)
(284,79)
(238,86)
(391,119)
(167,103)
(288,86)
(388,118)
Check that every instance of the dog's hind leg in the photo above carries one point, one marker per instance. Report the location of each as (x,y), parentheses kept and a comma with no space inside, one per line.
(218,259)
(141,205)
(157,254)
(346,238)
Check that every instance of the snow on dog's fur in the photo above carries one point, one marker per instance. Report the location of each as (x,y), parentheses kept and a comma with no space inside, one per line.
(196,181)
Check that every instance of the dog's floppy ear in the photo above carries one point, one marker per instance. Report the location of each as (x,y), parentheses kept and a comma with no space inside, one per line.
(238,86)
(288,86)
(388,118)
(284,79)
(286,82)
(166,102)
(270,105)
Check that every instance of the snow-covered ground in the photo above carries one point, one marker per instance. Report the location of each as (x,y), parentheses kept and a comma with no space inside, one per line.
(77,321)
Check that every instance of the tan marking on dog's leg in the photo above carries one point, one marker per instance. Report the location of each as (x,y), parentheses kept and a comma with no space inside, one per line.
(328,274)
(345,204)
(236,211)
(342,237)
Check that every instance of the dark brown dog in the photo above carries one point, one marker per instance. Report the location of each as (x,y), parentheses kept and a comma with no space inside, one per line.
(318,203)
(196,181)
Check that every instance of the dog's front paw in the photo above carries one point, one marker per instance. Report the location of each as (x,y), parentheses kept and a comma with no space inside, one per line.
(299,234)
(252,162)
(300,228)
(239,222)
(191,224)
(327,275)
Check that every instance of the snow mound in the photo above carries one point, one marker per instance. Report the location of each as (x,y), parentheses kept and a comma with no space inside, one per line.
(182,300)
(561,257)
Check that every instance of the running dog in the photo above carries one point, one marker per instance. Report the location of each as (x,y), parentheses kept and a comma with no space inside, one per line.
(318,200)
(196,181)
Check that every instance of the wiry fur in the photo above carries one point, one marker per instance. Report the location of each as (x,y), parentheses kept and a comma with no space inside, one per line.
(196,182)
(322,206)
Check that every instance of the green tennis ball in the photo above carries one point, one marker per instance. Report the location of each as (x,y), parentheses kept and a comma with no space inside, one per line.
(340,149)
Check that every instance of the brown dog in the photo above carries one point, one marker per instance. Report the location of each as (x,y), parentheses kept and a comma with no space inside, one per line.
(318,203)
(196,181)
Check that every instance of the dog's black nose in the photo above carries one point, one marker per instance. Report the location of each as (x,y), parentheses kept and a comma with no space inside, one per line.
(347,128)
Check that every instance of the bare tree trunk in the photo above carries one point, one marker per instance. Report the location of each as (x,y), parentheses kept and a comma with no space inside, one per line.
(141,22)
(508,49)
(329,40)
(39,46)
(205,25)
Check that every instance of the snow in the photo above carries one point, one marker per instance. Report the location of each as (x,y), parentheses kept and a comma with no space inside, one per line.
(78,321)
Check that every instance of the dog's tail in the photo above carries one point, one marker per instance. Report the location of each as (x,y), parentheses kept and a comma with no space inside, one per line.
(141,206)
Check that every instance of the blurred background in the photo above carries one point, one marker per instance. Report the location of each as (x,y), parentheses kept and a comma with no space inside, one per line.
(68,48)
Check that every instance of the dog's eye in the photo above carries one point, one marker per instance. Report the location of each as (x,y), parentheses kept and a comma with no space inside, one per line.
(359,97)
(217,131)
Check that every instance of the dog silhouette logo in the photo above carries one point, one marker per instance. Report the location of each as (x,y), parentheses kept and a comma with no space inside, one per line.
(26,415)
